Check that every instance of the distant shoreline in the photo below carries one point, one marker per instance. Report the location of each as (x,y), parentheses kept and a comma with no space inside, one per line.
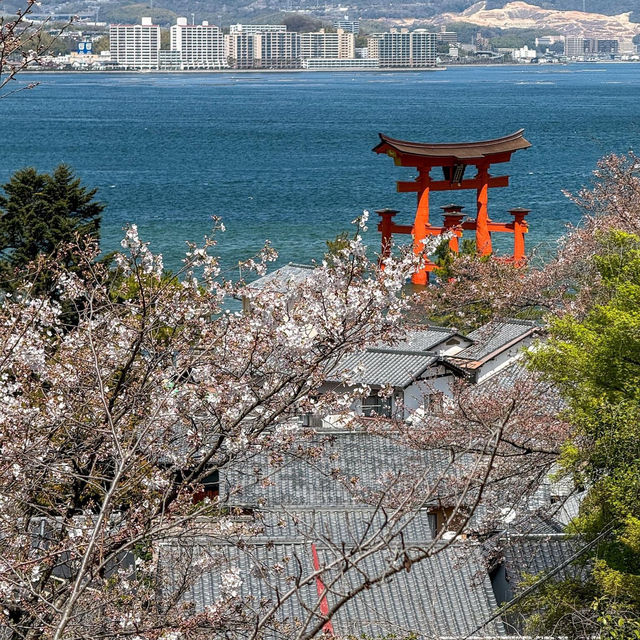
(236,71)
(484,65)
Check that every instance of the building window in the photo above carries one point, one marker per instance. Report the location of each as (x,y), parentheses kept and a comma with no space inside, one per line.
(374,405)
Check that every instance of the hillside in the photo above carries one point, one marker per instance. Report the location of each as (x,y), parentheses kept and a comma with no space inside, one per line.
(521,15)
(228,11)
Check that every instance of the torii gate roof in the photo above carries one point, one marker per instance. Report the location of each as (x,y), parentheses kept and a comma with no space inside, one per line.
(438,154)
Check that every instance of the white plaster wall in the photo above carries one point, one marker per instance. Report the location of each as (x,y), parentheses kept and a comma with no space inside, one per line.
(503,359)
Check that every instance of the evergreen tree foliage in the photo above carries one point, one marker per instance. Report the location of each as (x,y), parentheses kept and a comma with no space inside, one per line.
(41,212)
(595,362)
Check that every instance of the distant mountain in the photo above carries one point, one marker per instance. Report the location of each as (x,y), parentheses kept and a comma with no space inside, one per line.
(226,11)
(522,15)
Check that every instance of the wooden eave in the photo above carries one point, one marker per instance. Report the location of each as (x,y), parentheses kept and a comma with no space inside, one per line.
(439,154)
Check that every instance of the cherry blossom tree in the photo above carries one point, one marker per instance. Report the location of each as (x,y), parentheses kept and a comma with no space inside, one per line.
(113,425)
(22,43)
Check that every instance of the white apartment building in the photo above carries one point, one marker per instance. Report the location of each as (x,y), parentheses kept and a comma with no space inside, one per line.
(201,46)
(241,50)
(350,26)
(269,50)
(320,44)
(135,46)
(338,64)
(256,28)
(404,48)
(278,50)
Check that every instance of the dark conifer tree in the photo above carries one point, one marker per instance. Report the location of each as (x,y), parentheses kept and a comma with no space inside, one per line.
(39,213)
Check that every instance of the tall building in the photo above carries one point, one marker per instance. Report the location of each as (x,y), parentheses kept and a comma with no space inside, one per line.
(256,28)
(448,37)
(241,50)
(135,46)
(278,50)
(404,48)
(201,46)
(320,44)
(590,45)
(269,50)
(608,46)
(349,26)
(574,46)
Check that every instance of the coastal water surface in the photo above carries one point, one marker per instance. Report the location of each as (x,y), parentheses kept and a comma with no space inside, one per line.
(287,157)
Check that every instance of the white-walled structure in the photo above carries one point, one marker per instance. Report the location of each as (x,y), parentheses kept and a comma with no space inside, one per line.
(337,64)
(201,46)
(268,50)
(404,48)
(422,369)
(256,28)
(524,53)
(135,46)
(319,44)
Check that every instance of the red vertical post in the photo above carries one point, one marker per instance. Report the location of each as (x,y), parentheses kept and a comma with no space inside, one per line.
(385,227)
(483,236)
(452,220)
(421,223)
(520,227)
(322,592)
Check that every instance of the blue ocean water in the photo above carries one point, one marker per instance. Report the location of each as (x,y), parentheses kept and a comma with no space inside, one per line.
(287,157)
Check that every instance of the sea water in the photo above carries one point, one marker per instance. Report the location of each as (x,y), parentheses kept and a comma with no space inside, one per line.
(287,157)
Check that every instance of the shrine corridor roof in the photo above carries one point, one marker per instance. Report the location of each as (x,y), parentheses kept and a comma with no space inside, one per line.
(455,150)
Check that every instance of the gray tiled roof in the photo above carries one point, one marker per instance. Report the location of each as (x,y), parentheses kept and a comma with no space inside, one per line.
(343,468)
(393,366)
(284,277)
(446,595)
(494,336)
(427,338)
(536,554)
(342,524)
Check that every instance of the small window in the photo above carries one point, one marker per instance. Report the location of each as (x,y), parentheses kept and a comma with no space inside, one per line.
(374,405)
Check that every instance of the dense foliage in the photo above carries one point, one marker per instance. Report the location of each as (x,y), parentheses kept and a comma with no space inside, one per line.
(39,214)
(595,362)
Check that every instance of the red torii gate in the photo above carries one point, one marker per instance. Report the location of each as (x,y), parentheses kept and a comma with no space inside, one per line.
(454,158)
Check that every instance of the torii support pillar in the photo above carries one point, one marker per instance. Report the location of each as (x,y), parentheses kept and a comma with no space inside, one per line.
(520,227)
(421,224)
(483,237)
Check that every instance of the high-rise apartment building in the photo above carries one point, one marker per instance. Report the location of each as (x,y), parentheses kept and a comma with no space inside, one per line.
(279,50)
(135,46)
(574,46)
(256,28)
(201,46)
(348,26)
(320,44)
(404,48)
(269,50)
(241,50)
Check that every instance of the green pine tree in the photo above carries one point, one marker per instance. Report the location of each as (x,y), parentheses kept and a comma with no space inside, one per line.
(40,213)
